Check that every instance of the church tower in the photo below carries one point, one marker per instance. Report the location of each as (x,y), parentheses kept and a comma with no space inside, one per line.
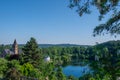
(15,47)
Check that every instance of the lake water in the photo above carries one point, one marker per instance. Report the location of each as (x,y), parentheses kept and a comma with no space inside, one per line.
(76,71)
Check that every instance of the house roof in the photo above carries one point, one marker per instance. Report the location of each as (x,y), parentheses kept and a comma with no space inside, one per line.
(8,51)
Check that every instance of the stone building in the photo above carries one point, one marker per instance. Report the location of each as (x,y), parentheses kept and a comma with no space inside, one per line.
(13,51)
(15,47)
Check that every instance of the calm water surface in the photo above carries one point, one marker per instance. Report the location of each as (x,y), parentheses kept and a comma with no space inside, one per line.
(76,71)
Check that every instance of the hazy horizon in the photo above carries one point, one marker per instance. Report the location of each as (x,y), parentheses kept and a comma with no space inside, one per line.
(60,43)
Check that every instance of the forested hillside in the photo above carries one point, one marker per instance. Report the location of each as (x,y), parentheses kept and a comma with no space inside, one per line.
(103,59)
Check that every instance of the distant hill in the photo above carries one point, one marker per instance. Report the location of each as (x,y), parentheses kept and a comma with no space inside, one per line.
(61,45)
(104,44)
(57,45)
(110,43)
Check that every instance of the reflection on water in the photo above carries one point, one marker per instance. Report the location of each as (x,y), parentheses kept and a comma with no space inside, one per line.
(76,70)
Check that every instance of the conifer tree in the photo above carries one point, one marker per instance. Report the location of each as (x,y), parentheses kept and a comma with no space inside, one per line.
(32,53)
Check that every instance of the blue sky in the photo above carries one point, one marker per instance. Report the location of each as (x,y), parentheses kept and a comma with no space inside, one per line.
(49,21)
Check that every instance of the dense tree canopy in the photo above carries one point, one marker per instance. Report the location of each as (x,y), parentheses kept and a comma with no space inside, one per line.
(103,59)
(104,7)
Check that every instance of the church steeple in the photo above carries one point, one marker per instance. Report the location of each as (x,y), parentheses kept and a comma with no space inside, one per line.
(15,47)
